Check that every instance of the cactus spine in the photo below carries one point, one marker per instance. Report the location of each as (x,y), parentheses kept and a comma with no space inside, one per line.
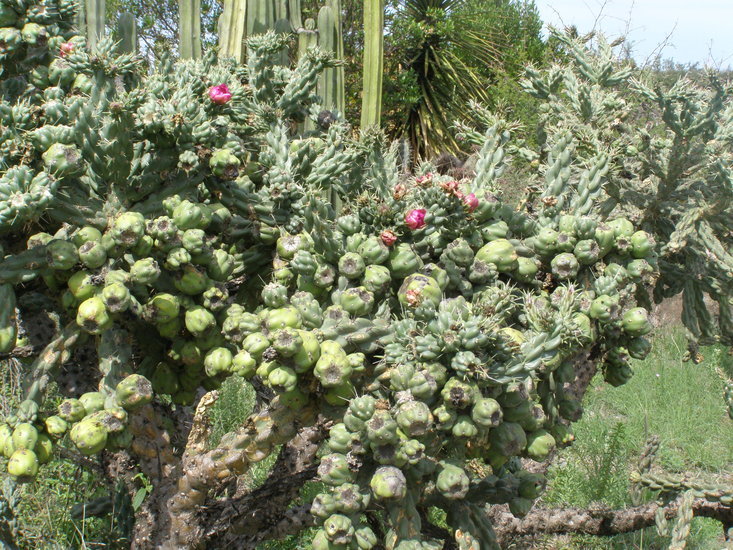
(371,103)
(127,33)
(190,28)
(331,81)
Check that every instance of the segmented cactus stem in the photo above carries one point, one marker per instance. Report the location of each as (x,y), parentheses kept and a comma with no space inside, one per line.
(371,103)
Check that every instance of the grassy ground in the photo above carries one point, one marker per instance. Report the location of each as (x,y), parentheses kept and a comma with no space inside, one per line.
(679,402)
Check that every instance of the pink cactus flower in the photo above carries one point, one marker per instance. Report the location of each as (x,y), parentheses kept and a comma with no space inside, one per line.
(388,237)
(66,48)
(415,219)
(424,180)
(220,94)
(471,202)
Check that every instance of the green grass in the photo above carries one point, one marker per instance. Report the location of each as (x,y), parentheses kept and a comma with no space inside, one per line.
(679,402)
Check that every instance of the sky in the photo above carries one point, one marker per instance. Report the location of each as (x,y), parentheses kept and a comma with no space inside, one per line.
(695,31)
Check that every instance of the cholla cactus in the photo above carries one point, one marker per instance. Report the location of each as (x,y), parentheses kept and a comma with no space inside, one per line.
(187,237)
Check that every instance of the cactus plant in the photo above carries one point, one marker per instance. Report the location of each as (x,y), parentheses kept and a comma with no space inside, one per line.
(371,102)
(189,28)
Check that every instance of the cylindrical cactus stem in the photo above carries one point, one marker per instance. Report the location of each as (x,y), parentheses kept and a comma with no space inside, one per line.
(252,443)
(339,53)
(294,14)
(330,83)
(24,266)
(115,356)
(54,354)
(232,29)
(261,16)
(95,10)
(371,101)
(80,19)
(189,27)
(282,26)
(127,32)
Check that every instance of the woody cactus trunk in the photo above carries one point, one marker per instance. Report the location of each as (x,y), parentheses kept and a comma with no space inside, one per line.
(413,350)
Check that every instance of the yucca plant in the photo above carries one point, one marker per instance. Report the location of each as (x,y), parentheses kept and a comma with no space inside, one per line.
(431,43)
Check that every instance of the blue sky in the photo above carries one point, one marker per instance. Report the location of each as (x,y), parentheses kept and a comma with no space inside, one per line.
(701,30)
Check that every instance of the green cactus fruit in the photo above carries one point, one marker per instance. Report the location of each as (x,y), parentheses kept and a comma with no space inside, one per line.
(199,321)
(282,379)
(308,353)
(520,507)
(458,394)
(92,401)
(621,227)
(324,277)
(635,322)
(459,252)
(143,247)
(218,361)
(116,297)
(61,255)
(546,241)
(92,254)
(62,160)
(55,427)
(287,342)
(403,261)
(255,344)
(377,279)
(145,271)
(177,258)
(452,482)
(357,301)
(275,295)
(71,410)
(565,242)
(605,236)
(587,252)
(583,328)
(526,270)
(531,485)
(86,234)
(92,316)
(351,265)
(43,449)
(414,418)
(288,245)
(340,439)
(320,542)
(539,445)
(639,270)
(373,251)
(464,427)
(642,244)
(25,436)
(639,347)
(188,215)
(283,318)
(388,483)
(382,428)
(332,368)
(89,436)
(134,392)
(487,412)
(194,240)
(81,286)
(221,266)
(501,253)
(605,308)
(128,228)
(334,470)
(325,504)
(362,408)
(225,164)
(23,464)
(417,289)
(170,330)
(508,438)
(191,281)
(565,266)
(339,529)
(585,227)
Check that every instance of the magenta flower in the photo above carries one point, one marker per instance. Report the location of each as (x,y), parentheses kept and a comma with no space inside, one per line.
(415,219)
(66,48)
(471,202)
(220,94)
(388,237)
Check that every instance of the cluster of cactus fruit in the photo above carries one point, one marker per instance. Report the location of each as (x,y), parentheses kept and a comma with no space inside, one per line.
(184,232)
